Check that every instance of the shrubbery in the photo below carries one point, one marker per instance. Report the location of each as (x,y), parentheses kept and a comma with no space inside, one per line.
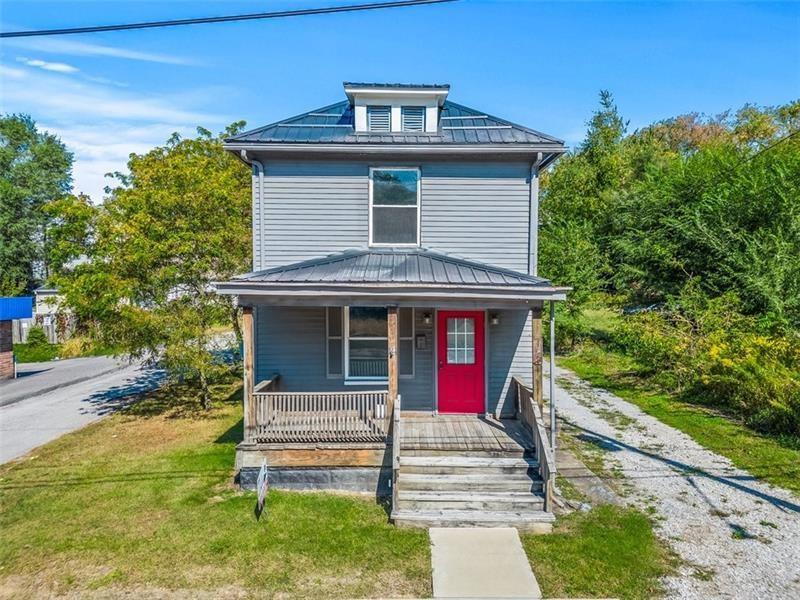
(706,349)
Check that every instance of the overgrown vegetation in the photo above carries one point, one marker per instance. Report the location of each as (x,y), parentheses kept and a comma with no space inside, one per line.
(609,552)
(142,503)
(698,220)
(775,458)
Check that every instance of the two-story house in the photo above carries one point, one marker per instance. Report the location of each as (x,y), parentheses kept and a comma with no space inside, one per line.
(393,318)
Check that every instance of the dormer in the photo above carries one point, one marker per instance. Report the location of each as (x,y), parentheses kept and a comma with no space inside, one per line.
(396,107)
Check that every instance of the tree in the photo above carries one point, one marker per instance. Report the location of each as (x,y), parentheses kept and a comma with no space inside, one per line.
(177,222)
(35,168)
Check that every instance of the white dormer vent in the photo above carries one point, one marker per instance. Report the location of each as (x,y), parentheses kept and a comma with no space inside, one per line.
(413,118)
(396,107)
(379,118)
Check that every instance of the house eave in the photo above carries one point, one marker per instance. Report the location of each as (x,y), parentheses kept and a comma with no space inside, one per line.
(522,150)
(386,291)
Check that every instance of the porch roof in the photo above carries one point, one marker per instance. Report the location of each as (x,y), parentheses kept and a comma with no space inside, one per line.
(393,272)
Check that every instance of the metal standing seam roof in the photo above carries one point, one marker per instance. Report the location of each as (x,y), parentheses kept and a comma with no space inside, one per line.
(334,124)
(415,266)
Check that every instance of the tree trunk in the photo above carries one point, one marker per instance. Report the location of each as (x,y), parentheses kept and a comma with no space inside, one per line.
(205,392)
(237,329)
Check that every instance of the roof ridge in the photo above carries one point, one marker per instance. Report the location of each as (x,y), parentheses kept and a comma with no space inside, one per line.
(286,120)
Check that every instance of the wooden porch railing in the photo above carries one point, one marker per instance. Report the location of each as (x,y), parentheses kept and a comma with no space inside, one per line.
(531,415)
(301,417)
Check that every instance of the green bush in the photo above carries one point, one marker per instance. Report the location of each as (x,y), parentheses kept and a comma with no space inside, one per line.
(37,337)
(705,348)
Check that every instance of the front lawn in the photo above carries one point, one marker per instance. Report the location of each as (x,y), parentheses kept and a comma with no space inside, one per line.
(142,503)
(607,552)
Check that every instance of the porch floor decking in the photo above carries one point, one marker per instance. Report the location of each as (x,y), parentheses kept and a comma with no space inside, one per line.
(465,432)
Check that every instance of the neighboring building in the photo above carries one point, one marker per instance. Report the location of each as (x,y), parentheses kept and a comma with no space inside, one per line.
(50,314)
(394,260)
(10,310)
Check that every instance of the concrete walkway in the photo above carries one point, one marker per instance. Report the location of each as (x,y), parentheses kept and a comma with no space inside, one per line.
(480,563)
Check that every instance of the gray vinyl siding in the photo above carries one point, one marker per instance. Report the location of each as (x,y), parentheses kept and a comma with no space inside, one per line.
(310,209)
(291,341)
(509,353)
(477,211)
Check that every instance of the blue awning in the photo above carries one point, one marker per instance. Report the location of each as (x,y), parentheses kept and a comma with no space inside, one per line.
(16,308)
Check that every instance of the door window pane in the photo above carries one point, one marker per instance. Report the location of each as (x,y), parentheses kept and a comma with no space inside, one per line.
(461,340)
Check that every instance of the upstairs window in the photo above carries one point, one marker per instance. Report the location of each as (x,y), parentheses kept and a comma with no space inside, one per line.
(379,118)
(394,207)
(413,118)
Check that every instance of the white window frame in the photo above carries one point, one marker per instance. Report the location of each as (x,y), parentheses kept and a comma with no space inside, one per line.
(349,380)
(419,208)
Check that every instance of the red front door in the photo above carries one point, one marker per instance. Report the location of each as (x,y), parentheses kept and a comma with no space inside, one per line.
(460,359)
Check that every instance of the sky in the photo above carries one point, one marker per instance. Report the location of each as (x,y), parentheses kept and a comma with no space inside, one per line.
(537,63)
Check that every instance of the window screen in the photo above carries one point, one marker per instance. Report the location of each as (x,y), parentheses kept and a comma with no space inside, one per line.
(379,118)
(413,118)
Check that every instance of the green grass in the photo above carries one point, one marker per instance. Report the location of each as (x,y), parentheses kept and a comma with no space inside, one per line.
(25,353)
(607,552)
(773,459)
(144,501)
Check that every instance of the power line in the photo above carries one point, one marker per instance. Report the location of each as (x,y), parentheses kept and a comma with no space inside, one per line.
(225,19)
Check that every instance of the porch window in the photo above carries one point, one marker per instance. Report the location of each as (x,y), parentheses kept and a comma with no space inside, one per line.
(358,343)
(394,207)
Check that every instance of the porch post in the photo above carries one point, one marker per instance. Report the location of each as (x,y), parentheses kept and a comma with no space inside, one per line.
(552,379)
(538,351)
(393,368)
(249,383)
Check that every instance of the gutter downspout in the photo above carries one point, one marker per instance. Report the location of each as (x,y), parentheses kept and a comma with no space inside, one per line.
(533,219)
(260,171)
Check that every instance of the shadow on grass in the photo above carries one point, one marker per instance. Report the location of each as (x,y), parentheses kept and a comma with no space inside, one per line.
(233,435)
(182,400)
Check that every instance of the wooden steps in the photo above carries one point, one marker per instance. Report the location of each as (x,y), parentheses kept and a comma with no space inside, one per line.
(470,489)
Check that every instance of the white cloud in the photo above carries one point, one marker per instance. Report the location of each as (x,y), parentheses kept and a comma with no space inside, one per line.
(102,124)
(56,96)
(77,48)
(11,72)
(57,67)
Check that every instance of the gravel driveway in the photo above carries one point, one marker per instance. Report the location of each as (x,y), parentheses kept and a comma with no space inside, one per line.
(737,537)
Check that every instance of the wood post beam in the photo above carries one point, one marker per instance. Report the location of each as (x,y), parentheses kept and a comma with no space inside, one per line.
(248,335)
(538,355)
(393,366)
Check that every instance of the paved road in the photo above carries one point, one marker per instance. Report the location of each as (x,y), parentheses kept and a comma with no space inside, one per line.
(33,421)
(37,378)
